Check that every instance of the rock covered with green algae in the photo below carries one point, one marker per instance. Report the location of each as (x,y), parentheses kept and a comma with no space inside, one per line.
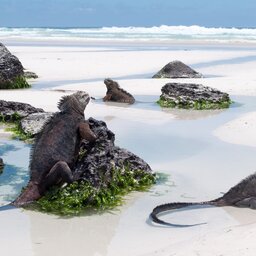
(101,158)
(192,96)
(102,174)
(11,71)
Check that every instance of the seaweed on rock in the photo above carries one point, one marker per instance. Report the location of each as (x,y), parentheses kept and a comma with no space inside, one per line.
(103,174)
(192,96)
(11,71)
(79,196)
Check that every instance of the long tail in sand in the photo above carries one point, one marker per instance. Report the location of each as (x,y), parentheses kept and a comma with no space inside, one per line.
(173,206)
(7,207)
(241,195)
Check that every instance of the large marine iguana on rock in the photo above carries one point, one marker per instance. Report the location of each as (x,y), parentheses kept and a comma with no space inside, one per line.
(116,93)
(241,195)
(56,148)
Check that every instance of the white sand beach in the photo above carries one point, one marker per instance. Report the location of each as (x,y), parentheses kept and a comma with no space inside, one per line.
(204,153)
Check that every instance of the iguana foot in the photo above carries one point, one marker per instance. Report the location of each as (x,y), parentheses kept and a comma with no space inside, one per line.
(249,202)
(86,132)
(30,194)
(59,173)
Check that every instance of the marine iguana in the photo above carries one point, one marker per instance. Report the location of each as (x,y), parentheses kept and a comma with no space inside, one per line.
(56,148)
(241,195)
(116,93)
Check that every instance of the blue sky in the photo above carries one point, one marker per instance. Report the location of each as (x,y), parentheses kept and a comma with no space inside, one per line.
(97,13)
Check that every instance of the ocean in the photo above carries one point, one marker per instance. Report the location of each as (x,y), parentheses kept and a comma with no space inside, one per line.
(161,33)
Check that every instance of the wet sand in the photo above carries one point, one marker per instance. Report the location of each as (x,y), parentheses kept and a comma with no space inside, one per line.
(182,144)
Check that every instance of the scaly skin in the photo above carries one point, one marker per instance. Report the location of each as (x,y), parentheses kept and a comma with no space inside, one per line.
(56,148)
(241,195)
(117,94)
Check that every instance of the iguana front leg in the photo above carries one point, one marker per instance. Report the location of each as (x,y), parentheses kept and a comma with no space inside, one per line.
(86,132)
(249,202)
(107,97)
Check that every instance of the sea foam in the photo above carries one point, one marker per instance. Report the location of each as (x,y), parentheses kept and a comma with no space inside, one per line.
(163,33)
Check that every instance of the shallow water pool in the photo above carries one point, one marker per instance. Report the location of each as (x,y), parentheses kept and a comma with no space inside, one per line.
(15,174)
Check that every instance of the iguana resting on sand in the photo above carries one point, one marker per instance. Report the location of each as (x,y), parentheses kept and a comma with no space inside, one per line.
(56,148)
(241,195)
(117,94)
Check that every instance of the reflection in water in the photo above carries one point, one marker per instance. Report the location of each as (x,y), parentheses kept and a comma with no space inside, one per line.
(190,114)
(15,173)
(148,102)
(12,180)
(78,236)
(15,225)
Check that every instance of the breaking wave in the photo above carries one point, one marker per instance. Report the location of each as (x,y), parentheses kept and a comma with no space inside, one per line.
(134,33)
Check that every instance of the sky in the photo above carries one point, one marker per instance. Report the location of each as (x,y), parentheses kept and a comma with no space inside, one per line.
(146,13)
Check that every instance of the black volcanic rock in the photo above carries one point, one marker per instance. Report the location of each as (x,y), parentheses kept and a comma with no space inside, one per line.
(177,69)
(33,123)
(30,75)
(99,159)
(1,165)
(11,70)
(12,111)
(196,96)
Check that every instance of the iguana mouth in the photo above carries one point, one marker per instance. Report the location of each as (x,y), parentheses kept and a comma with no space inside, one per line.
(107,81)
(82,97)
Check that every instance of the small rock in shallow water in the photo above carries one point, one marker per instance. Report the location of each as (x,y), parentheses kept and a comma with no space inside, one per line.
(1,164)
(195,96)
(29,75)
(177,69)
(12,111)
(11,71)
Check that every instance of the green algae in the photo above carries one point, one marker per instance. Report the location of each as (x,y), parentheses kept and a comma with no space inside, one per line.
(79,197)
(197,105)
(13,125)
(19,82)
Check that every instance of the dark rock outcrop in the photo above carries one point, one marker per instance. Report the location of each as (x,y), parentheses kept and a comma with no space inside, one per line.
(116,93)
(97,161)
(1,165)
(103,174)
(12,111)
(177,69)
(100,168)
(11,70)
(29,75)
(33,123)
(195,96)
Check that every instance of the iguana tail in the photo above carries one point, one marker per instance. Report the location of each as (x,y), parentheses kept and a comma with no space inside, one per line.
(173,206)
(28,195)
(7,207)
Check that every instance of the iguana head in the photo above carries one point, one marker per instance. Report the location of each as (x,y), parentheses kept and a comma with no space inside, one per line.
(74,102)
(111,84)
